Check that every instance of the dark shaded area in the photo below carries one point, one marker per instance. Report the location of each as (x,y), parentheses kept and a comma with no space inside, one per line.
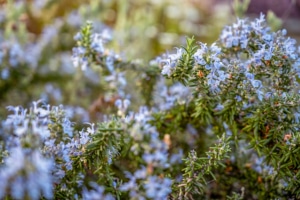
(282,8)
(287,10)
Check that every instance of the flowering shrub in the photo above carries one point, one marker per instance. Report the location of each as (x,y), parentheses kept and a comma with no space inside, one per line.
(218,121)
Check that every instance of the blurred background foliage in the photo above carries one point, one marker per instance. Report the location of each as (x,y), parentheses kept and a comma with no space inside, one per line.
(37,39)
(38,35)
(141,28)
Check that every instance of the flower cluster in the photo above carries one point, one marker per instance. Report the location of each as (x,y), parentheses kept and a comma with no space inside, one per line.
(96,193)
(20,171)
(266,62)
(170,61)
(167,97)
(23,134)
(90,43)
(250,78)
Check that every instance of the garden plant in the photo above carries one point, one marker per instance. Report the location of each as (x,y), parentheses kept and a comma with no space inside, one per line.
(202,121)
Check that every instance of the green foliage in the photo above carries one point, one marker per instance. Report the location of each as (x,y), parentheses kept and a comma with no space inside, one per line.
(197,170)
(186,62)
(240,7)
(105,145)
(236,196)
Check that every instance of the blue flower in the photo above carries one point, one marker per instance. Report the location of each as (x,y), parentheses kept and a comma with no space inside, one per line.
(97,43)
(78,36)
(157,188)
(249,76)
(214,84)
(283,32)
(78,58)
(244,41)
(267,38)
(256,83)
(222,75)
(5,74)
(24,167)
(84,137)
(219,107)
(258,25)
(156,157)
(67,127)
(141,173)
(16,54)
(200,61)
(97,192)
(200,54)
(1,56)
(131,184)
(290,49)
(235,41)
(122,104)
(170,62)
(238,98)
(177,158)
(110,63)
(268,54)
